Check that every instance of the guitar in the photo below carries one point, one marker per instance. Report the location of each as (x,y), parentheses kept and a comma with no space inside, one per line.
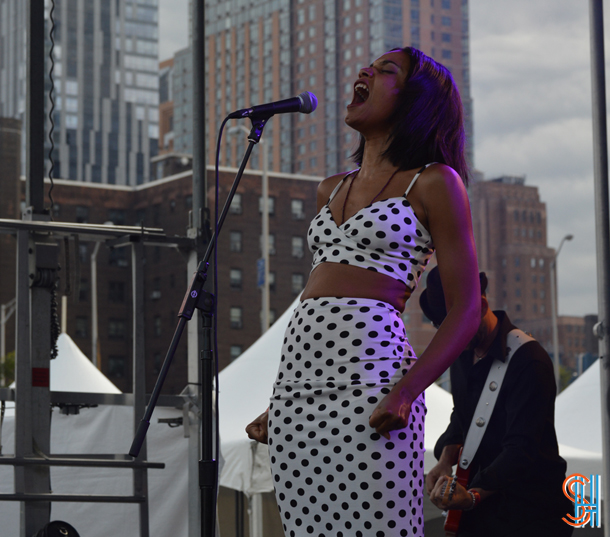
(452,523)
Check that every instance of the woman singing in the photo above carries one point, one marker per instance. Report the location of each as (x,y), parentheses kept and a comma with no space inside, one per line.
(345,424)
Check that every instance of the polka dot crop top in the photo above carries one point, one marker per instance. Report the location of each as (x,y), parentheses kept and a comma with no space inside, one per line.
(384,237)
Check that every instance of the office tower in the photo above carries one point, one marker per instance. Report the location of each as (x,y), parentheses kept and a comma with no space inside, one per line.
(509,222)
(106,85)
(265,50)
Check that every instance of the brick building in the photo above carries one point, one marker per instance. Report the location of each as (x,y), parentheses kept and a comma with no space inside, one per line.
(166,204)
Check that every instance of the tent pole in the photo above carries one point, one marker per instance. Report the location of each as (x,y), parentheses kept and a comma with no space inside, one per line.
(255,514)
(602,234)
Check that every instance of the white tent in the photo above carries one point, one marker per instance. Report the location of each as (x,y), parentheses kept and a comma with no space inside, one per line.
(578,423)
(105,429)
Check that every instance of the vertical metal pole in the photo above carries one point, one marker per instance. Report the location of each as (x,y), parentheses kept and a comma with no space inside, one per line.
(2,341)
(140,475)
(35,124)
(94,321)
(602,233)
(199,153)
(265,230)
(23,370)
(198,229)
(194,424)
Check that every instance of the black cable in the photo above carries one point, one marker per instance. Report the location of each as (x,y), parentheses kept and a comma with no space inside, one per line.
(55,326)
(52,109)
(215,318)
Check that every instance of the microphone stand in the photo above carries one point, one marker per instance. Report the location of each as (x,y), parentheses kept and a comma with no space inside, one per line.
(198,298)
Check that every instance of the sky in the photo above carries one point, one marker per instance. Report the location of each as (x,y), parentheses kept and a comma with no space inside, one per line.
(531,87)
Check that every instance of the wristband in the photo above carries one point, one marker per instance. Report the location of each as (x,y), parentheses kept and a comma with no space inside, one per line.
(476,499)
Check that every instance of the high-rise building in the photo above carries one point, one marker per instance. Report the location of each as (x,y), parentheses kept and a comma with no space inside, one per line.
(106,78)
(264,50)
(509,223)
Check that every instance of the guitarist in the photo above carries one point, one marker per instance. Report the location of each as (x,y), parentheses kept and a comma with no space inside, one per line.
(514,483)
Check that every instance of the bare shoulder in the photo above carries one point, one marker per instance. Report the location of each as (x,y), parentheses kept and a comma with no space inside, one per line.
(440,181)
(439,176)
(326,187)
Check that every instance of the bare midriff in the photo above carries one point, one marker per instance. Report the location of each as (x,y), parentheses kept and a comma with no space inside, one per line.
(337,279)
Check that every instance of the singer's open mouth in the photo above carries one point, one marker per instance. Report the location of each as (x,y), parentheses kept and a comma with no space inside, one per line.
(361,93)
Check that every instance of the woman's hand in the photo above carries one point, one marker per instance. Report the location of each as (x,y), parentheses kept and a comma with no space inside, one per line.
(257,429)
(460,499)
(392,413)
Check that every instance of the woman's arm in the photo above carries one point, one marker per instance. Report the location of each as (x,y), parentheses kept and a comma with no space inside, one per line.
(442,194)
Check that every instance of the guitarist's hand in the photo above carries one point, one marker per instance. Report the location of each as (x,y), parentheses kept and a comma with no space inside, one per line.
(439,496)
(440,470)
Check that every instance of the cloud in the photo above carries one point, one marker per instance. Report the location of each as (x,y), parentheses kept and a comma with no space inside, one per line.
(531,86)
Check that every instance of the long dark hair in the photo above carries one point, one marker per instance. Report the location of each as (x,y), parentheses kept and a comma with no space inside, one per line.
(429,124)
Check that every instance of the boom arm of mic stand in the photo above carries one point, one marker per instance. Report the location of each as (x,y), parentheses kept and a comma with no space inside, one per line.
(197,298)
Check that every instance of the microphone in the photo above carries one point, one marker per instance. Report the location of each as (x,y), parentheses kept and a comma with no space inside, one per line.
(305,102)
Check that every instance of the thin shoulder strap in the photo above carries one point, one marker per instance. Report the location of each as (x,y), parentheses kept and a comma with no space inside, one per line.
(416,176)
(332,194)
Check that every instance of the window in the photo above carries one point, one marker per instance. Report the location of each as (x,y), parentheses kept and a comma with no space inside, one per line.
(82,215)
(297,247)
(157,325)
(117,329)
(235,351)
(235,278)
(155,294)
(117,216)
(446,38)
(236,205)
(270,243)
(446,21)
(516,215)
(534,293)
(541,263)
(236,317)
(83,253)
(517,261)
(446,54)
(271,281)
(518,307)
(116,366)
(157,362)
(518,277)
(533,262)
(82,290)
(297,283)
(270,206)
(117,257)
(235,241)
(82,327)
(116,291)
(296,208)
(517,292)
(446,4)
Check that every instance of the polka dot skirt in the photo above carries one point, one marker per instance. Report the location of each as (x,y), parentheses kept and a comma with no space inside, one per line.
(334,476)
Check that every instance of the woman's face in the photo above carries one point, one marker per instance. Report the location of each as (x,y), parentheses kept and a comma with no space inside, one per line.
(376,94)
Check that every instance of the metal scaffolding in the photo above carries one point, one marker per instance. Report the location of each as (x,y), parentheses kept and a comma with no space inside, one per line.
(37,261)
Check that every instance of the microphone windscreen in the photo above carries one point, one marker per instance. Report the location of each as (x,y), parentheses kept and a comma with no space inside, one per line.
(309,102)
